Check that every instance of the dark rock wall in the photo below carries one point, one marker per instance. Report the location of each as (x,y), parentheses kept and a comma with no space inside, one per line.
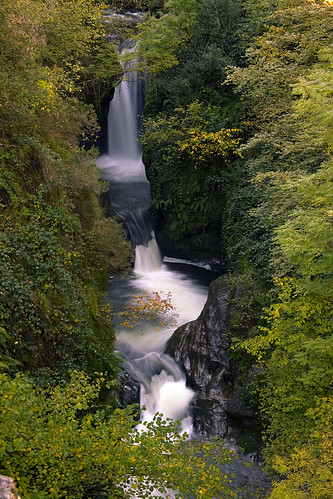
(202,348)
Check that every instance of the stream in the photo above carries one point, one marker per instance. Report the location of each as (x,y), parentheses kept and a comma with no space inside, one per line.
(185,287)
(162,383)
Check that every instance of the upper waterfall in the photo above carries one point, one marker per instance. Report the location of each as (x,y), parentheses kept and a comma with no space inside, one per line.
(122,166)
(123,161)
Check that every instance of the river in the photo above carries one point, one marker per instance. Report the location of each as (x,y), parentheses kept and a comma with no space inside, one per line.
(163,384)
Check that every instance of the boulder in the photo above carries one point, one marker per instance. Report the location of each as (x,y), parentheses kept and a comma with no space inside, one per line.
(201,348)
(128,390)
(7,488)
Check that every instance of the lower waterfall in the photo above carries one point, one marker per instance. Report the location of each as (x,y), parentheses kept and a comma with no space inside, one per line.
(163,384)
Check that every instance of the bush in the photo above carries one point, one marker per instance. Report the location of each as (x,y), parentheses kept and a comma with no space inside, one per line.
(58,443)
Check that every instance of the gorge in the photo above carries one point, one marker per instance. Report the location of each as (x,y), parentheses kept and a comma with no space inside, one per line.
(183,374)
(163,387)
(237,146)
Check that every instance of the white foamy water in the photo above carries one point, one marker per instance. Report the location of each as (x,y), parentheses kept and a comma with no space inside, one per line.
(163,384)
(147,258)
(169,397)
(122,169)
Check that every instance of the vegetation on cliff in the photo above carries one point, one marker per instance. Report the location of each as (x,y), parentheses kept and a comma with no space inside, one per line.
(61,433)
(56,248)
(262,70)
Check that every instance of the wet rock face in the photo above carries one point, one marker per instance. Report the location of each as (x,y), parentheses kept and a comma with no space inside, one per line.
(204,244)
(201,347)
(129,390)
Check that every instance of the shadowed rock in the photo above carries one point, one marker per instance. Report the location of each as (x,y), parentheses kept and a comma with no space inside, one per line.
(201,347)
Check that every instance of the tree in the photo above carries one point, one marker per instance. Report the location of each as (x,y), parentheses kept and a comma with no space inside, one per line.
(51,225)
(293,343)
(57,443)
(160,38)
(189,166)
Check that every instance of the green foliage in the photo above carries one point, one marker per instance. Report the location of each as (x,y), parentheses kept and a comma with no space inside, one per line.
(160,38)
(55,247)
(201,64)
(102,69)
(288,114)
(281,143)
(296,344)
(315,98)
(46,49)
(255,19)
(308,470)
(274,203)
(48,308)
(291,43)
(70,30)
(306,238)
(194,138)
(152,6)
(57,443)
(272,196)
(189,115)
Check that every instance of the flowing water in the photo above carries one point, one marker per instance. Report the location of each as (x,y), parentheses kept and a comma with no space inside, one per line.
(163,385)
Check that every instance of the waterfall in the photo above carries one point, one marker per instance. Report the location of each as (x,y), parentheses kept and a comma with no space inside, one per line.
(122,166)
(163,384)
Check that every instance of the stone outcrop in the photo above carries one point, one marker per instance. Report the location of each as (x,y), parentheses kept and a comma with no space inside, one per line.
(128,390)
(202,348)
(7,488)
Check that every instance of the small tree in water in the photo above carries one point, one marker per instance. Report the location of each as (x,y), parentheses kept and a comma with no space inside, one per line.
(156,307)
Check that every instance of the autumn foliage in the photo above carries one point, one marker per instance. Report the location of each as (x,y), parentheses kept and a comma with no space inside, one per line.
(156,307)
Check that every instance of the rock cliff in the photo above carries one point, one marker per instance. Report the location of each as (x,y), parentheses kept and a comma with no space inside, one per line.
(202,348)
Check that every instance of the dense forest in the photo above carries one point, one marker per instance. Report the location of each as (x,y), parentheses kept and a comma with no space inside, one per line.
(237,139)
(240,107)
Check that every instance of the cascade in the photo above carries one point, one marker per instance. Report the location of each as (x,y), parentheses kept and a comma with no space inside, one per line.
(163,385)
(123,168)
